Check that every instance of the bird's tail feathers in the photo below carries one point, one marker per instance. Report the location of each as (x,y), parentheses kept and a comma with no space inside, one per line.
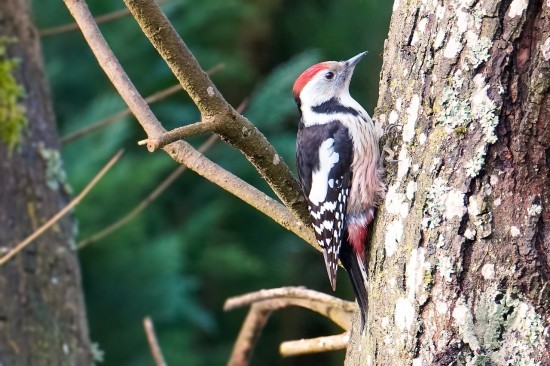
(355,267)
(331,262)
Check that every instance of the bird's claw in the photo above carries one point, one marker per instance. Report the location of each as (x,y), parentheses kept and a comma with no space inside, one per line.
(392,126)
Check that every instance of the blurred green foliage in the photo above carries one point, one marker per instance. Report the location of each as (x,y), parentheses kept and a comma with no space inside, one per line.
(196,245)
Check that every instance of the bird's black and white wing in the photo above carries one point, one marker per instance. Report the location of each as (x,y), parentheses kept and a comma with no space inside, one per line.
(324,157)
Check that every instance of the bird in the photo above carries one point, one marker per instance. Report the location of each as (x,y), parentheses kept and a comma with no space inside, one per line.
(339,168)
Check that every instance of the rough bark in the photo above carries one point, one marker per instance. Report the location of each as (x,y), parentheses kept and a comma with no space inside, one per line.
(42,317)
(459,256)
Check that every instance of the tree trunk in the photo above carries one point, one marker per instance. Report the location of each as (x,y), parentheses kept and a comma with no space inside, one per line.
(459,256)
(42,317)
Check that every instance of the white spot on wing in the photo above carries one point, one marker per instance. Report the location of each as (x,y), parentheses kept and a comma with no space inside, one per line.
(330,206)
(316,215)
(317,229)
(319,182)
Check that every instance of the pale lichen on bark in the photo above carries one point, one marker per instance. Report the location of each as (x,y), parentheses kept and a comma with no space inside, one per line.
(456,260)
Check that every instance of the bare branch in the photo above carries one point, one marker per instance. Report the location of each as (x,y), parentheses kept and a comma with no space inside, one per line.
(314,345)
(71,27)
(265,302)
(234,128)
(153,98)
(153,342)
(181,151)
(250,333)
(337,310)
(17,248)
(180,133)
(176,134)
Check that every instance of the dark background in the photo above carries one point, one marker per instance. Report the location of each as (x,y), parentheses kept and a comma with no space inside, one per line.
(196,245)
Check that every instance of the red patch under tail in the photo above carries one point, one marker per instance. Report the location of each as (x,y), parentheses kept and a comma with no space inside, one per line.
(357,233)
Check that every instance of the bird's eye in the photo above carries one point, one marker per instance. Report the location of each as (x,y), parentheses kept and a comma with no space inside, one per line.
(329,75)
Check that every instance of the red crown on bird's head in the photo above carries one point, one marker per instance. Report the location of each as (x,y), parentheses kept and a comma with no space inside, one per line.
(307,76)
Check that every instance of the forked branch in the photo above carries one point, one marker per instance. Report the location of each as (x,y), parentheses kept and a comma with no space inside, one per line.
(197,128)
(215,110)
(181,151)
(265,302)
(337,310)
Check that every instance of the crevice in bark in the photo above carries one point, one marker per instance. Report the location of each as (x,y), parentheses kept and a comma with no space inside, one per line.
(463,278)
(523,50)
(448,357)
(541,274)
(413,27)
(534,269)
(503,6)
(465,218)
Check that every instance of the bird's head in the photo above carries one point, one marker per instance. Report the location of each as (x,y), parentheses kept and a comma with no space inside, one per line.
(325,80)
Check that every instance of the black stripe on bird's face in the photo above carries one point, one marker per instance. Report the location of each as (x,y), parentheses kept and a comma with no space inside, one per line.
(333,106)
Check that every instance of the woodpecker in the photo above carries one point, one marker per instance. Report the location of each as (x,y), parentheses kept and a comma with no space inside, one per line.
(338,161)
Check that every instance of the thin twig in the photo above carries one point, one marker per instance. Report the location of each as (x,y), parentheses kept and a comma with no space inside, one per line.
(17,248)
(153,98)
(314,345)
(71,27)
(153,342)
(146,202)
(197,128)
(181,151)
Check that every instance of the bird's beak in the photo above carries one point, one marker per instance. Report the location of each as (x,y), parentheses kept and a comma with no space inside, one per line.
(350,64)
